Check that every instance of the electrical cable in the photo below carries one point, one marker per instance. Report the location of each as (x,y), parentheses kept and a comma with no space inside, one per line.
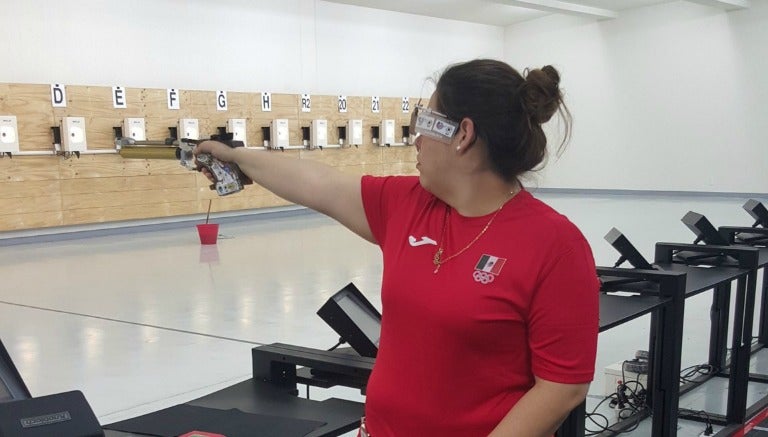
(341,341)
(620,261)
(708,430)
(687,375)
(590,416)
(630,398)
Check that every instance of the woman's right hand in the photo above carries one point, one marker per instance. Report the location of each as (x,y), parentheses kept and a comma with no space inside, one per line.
(218,150)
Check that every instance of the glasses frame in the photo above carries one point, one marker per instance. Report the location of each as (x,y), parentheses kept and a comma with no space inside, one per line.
(428,122)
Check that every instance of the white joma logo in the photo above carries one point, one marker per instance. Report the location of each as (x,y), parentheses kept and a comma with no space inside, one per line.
(424,240)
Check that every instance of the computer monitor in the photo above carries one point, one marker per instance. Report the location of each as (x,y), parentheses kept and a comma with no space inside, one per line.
(627,250)
(758,212)
(703,229)
(12,387)
(354,318)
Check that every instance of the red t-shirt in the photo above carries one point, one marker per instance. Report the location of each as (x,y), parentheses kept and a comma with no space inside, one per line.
(460,347)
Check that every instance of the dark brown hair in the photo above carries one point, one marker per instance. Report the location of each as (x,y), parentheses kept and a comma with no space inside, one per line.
(506,108)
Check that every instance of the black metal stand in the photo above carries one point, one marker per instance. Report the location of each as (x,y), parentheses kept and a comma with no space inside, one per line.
(729,263)
(732,234)
(662,295)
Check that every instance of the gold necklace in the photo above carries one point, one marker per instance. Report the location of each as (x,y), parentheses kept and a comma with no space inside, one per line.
(438,260)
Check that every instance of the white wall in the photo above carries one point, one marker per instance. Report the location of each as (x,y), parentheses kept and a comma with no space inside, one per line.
(668,97)
(290,46)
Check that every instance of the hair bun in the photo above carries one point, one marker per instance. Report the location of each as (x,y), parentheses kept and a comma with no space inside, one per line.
(540,93)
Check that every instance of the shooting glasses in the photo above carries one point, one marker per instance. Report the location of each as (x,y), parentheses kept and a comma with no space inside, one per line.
(433,124)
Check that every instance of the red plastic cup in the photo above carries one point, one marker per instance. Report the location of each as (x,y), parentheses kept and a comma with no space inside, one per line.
(208,233)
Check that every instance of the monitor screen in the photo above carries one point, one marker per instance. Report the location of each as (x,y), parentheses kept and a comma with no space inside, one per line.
(704,230)
(364,319)
(627,250)
(355,319)
(758,212)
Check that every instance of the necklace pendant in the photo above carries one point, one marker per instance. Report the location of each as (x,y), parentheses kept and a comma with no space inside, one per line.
(436,260)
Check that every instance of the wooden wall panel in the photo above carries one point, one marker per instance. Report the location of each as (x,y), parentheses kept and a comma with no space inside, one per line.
(158,118)
(336,119)
(237,107)
(10,190)
(29,168)
(236,202)
(287,106)
(202,105)
(31,104)
(165,167)
(45,191)
(370,119)
(248,105)
(322,108)
(355,110)
(116,185)
(392,108)
(205,192)
(205,101)
(255,119)
(372,169)
(22,205)
(405,154)
(18,222)
(5,96)
(240,201)
(96,200)
(133,212)
(398,168)
(100,166)
(95,105)
(345,156)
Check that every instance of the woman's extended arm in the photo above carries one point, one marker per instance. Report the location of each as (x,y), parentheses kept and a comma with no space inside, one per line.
(541,410)
(305,182)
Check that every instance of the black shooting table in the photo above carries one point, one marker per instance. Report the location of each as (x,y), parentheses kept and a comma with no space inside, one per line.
(617,309)
(660,294)
(731,234)
(726,265)
(269,398)
(763,332)
(263,398)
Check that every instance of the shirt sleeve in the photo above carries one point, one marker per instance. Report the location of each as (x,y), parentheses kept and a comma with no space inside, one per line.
(564,317)
(383,197)
(372,188)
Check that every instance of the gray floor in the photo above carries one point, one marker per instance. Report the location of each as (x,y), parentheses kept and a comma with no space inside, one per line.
(143,320)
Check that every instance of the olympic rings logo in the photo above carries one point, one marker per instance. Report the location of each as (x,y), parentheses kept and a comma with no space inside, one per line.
(483,277)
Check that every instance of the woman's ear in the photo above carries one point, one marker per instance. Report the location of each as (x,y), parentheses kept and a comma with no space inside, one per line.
(466,135)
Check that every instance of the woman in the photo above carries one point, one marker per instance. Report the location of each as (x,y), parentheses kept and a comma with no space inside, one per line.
(489,297)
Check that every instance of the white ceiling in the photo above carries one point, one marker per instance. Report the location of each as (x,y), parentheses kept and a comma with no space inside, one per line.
(506,12)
